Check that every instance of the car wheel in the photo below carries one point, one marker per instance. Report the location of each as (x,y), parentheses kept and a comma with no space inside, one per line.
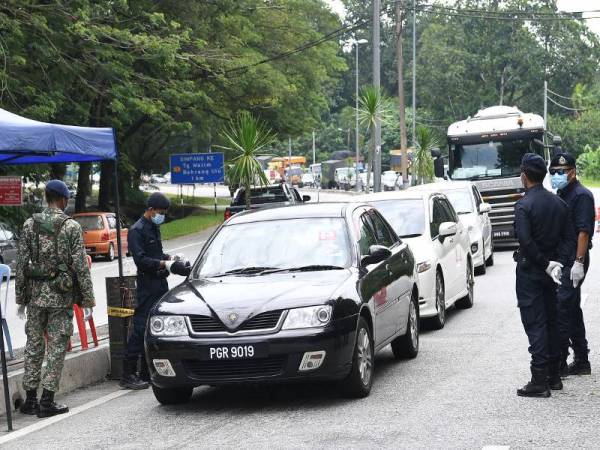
(407,346)
(172,396)
(467,301)
(110,256)
(358,383)
(490,261)
(481,270)
(438,322)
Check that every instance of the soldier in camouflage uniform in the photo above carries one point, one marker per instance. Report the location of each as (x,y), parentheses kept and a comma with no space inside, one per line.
(52,274)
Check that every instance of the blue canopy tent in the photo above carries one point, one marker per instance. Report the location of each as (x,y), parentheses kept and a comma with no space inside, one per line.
(26,141)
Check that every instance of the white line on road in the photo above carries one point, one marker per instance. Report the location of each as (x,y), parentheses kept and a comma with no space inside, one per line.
(185,246)
(496,447)
(52,420)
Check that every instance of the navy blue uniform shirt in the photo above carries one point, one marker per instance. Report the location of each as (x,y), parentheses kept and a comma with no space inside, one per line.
(581,206)
(145,246)
(544,228)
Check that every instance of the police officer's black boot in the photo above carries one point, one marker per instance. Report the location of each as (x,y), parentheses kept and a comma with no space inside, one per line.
(129,379)
(48,407)
(554,380)
(564,369)
(30,405)
(144,372)
(580,366)
(538,386)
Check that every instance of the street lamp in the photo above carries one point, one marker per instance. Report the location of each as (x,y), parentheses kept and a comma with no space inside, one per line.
(356,43)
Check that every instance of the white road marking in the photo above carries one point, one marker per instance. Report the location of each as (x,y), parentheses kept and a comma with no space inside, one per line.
(185,246)
(496,447)
(52,420)
(584,298)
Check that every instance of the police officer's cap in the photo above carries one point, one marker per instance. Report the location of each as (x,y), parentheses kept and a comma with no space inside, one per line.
(58,187)
(534,163)
(158,200)
(563,160)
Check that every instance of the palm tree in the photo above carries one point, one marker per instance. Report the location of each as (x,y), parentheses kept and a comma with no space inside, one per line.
(247,135)
(373,105)
(422,160)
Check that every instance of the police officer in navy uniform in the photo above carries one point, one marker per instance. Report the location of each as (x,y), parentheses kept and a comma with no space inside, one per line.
(153,268)
(546,244)
(570,317)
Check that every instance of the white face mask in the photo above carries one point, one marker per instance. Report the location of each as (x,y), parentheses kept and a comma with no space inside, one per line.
(158,219)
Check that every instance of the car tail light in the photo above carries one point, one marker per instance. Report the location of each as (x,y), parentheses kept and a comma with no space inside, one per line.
(104,236)
(227,214)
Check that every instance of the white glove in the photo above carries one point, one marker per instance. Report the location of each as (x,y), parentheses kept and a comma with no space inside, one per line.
(87,313)
(577,273)
(168,264)
(554,271)
(22,312)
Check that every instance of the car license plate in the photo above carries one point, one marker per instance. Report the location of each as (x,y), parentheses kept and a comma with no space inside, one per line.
(88,250)
(502,234)
(242,351)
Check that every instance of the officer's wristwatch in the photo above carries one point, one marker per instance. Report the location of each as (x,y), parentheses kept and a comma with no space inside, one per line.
(580,259)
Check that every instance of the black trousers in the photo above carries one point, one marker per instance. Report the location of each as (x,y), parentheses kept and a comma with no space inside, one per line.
(571,328)
(536,296)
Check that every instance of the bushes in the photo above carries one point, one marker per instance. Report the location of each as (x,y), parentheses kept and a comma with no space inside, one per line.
(588,163)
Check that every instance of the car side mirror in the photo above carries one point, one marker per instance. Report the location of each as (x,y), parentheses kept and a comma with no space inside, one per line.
(485,208)
(447,229)
(306,198)
(438,167)
(377,253)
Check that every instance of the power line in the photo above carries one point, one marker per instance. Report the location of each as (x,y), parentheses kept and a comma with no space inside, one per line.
(568,98)
(563,106)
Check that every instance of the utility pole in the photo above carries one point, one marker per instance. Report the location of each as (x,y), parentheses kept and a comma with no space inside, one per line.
(314,149)
(546,104)
(289,178)
(377,84)
(357,186)
(414,76)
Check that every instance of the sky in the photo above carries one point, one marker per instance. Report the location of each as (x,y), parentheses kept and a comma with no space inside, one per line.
(563,5)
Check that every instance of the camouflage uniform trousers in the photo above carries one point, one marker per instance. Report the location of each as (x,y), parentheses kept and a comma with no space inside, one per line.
(58,323)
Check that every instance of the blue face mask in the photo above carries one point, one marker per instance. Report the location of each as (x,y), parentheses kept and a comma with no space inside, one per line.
(158,219)
(559,181)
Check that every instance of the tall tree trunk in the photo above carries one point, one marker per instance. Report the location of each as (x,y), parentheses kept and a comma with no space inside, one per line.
(370,161)
(401,102)
(106,177)
(83,186)
(58,171)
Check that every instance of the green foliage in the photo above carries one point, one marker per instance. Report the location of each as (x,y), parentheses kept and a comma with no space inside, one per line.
(422,167)
(588,163)
(189,225)
(247,136)
(578,132)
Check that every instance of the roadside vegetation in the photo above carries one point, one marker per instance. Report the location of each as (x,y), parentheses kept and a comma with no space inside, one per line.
(191,224)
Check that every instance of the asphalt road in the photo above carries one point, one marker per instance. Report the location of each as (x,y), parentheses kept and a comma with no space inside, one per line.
(458,393)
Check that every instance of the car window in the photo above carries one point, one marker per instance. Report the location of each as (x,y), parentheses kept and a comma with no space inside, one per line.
(112,222)
(461,200)
(382,232)
(2,235)
(406,216)
(90,223)
(438,215)
(258,196)
(9,235)
(366,235)
(297,195)
(449,212)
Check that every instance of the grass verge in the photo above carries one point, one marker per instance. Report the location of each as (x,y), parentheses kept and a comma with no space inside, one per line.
(198,201)
(189,225)
(588,182)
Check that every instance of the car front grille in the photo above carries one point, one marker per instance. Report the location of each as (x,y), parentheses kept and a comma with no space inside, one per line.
(264,321)
(232,370)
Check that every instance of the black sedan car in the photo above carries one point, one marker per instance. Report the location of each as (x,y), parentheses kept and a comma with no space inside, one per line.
(306,292)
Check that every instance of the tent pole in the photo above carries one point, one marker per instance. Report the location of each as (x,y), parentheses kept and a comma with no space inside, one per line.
(5,376)
(117,210)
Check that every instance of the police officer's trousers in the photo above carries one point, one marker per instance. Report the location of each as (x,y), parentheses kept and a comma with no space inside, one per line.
(536,296)
(571,328)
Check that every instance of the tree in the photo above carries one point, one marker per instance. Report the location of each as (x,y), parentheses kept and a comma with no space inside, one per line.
(422,159)
(400,16)
(247,136)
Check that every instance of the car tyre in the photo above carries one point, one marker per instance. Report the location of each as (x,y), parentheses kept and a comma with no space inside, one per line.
(407,346)
(438,322)
(110,256)
(490,261)
(172,396)
(358,383)
(467,301)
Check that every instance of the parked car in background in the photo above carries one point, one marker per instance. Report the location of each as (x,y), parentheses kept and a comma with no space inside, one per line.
(390,180)
(8,247)
(441,245)
(363,179)
(158,178)
(315,293)
(308,180)
(265,197)
(474,215)
(100,234)
(345,178)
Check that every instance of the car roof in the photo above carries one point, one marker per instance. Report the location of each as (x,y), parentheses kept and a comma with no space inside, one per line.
(442,186)
(335,209)
(394,195)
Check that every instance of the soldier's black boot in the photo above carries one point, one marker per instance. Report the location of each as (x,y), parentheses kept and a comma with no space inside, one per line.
(537,387)
(554,380)
(144,372)
(30,405)
(580,366)
(564,369)
(48,407)
(129,380)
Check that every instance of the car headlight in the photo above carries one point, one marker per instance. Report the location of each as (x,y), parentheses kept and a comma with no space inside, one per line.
(423,266)
(474,247)
(168,326)
(311,317)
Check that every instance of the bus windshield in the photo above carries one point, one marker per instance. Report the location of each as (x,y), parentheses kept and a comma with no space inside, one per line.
(494,159)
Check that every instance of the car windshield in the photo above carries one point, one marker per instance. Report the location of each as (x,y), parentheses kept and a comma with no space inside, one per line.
(270,194)
(276,244)
(90,223)
(406,216)
(461,200)
(489,159)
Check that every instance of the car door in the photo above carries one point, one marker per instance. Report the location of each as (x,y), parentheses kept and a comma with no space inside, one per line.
(461,246)
(400,268)
(484,220)
(112,229)
(444,248)
(8,249)
(373,278)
